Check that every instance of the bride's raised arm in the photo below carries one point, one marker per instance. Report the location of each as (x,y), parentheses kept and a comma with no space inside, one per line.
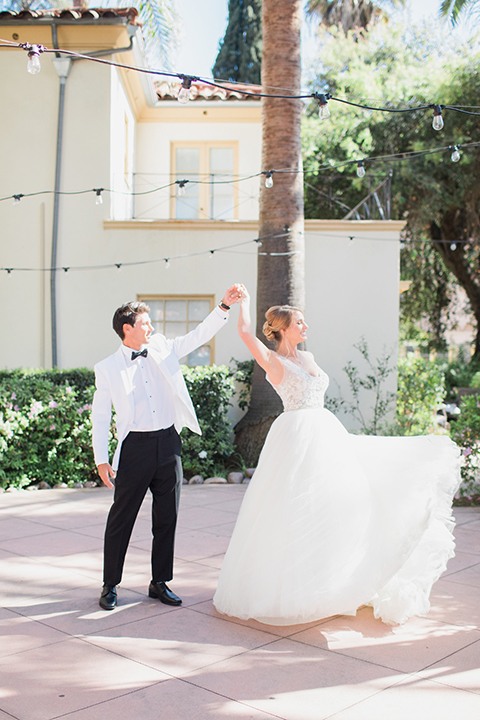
(266,358)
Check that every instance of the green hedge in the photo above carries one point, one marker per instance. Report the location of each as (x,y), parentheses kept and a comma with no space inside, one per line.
(45,425)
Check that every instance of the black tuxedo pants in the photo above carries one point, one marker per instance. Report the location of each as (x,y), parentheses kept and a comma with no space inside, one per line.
(148,460)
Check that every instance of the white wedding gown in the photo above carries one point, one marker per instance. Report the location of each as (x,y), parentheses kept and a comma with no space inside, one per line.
(332,521)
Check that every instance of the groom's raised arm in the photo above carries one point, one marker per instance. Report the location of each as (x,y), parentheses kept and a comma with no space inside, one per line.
(210,326)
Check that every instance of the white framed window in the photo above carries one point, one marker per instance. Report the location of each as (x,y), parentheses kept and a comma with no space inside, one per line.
(209,168)
(176,315)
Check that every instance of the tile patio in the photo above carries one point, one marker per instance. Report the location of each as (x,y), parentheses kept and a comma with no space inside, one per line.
(61,656)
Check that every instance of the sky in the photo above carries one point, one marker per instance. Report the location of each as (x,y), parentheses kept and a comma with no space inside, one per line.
(204,23)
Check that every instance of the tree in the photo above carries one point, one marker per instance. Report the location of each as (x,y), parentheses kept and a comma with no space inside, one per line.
(239,58)
(439,198)
(159,19)
(348,14)
(280,277)
(452,9)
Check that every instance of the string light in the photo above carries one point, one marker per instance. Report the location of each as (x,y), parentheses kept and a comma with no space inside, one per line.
(453,246)
(187,81)
(33,58)
(455,157)
(98,196)
(360,169)
(181,187)
(16,199)
(167,263)
(118,266)
(323,109)
(269,178)
(184,95)
(437,123)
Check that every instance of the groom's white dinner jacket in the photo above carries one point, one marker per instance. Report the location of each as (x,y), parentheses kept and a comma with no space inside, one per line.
(114,385)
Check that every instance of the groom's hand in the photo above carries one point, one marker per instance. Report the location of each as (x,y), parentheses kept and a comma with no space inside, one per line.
(106,472)
(233,295)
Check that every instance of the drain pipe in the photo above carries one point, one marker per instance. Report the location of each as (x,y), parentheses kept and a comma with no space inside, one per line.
(62,67)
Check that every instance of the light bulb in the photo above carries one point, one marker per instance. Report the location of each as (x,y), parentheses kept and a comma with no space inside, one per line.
(437,123)
(118,266)
(181,187)
(33,60)
(98,196)
(360,169)
(455,157)
(269,179)
(402,245)
(16,199)
(184,95)
(453,246)
(167,263)
(323,112)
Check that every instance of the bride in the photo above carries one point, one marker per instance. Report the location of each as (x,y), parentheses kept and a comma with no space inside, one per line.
(333,521)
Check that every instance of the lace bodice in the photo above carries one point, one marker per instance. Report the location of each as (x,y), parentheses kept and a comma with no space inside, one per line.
(298,389)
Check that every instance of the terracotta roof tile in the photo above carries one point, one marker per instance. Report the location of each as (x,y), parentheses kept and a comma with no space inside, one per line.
(85,15)
(169,89)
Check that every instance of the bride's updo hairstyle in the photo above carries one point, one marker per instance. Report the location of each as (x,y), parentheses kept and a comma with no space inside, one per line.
(279,317)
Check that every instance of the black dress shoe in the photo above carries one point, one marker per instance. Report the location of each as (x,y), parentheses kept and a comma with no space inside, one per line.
(108,598)
(163,593)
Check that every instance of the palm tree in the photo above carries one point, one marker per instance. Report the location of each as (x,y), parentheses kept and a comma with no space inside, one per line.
(349,14)
(280,276)
(452,9)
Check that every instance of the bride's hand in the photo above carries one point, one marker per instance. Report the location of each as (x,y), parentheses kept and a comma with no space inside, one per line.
(244,293)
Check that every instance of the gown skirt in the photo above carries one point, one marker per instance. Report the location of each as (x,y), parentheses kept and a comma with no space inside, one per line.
(333,521)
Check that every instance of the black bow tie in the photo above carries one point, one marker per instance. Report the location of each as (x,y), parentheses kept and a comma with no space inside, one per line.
(140,353)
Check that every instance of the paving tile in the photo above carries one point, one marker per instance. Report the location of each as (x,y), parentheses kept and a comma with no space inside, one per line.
(198,544)
(199,495)
(415,699)
(180,641)
(406,648)
(467,537)
(76,612)
(172,699)
(208,608)
(20,633)
(460,670)
(193,582)
(225,529)
(196,519)
(12,528)
(66,677)
(461,561)
(22,578)
(232,505)
(215,561)
(454,603)
(468,576)
(50,544)
(295,681)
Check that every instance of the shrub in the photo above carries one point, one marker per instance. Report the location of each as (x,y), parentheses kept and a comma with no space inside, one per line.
(420,391)
(210,388)
(45,425)
(466,433)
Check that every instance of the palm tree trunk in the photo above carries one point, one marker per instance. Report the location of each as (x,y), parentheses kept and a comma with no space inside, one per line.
(280,276)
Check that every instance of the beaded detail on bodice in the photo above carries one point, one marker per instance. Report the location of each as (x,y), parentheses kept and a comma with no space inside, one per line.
(298,389)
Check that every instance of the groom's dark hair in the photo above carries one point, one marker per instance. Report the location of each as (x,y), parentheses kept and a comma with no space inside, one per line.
(128,314)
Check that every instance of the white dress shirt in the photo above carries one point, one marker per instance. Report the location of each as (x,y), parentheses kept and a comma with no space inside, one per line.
(152,395)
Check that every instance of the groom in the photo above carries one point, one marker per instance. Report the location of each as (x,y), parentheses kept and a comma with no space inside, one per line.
(144,383)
